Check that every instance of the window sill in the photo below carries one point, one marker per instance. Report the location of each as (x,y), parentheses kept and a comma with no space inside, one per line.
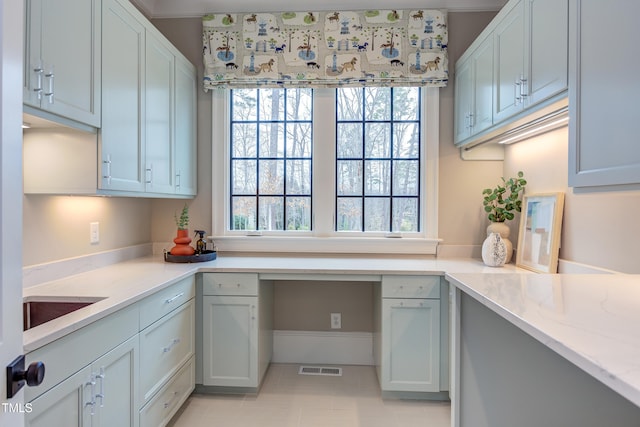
(365,245)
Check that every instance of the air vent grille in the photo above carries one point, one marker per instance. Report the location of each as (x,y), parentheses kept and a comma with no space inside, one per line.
(320,370)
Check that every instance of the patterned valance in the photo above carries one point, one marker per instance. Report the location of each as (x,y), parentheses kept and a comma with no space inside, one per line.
(326,49)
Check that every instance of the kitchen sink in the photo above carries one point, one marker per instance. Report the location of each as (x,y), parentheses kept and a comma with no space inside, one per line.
(39,310)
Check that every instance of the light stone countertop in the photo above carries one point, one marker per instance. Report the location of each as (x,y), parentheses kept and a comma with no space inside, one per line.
(592,320)
(124,283)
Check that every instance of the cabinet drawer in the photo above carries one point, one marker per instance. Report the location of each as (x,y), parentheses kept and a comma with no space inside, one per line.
(166,403)
(230,284)
(410,286)
(164,347)
(163,302)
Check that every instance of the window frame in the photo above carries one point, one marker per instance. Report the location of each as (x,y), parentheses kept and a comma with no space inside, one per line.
(323,238)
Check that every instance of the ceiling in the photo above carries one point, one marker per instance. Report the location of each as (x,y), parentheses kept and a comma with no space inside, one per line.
(196,8)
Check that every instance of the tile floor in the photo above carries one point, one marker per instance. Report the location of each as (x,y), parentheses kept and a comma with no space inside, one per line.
(287,399)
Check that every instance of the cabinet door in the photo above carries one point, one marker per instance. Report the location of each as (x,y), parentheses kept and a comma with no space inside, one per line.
(116,385)
(122,133)
(603,125)
(410,345)
(185,129)
(230,342)
(547,23)
(509,63)
(482,117)
(68,404)
(63,58)
(159,120)
(463,100)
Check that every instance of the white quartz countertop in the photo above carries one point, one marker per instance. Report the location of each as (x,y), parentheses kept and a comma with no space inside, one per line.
(124,283)
(593,320)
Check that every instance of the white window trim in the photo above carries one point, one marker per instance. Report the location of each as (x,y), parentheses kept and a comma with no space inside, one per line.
(323,238)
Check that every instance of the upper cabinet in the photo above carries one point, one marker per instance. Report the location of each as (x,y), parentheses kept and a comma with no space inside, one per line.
(474,85)
(603,148)
(528,68)
(148,136)
(531,43)
(146,139)
(122,148)
(62,58)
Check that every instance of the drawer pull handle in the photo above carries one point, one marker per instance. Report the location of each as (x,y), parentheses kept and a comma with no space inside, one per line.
(168,403)
(170,346)
(101,377)
(222,284)
(172,299)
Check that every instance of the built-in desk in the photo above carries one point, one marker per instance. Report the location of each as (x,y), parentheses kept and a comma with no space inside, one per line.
(545,350)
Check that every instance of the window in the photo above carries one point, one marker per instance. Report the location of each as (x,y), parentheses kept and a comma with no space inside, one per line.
(270,155)
(378,159)
(354,165)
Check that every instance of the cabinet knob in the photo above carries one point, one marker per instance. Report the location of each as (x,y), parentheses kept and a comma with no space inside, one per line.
(17,376)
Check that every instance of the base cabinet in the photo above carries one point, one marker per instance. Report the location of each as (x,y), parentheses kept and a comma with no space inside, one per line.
(237,330)
(410,345)
(102,394)
(410,334)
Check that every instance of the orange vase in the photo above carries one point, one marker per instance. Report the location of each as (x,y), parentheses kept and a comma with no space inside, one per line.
(182,241)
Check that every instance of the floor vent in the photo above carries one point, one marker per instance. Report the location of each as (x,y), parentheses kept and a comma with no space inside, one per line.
(320,370)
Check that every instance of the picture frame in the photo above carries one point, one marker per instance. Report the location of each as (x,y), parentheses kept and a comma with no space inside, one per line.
(539,234)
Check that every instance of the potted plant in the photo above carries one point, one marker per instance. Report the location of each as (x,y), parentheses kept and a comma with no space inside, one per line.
(182,239)
(500,203)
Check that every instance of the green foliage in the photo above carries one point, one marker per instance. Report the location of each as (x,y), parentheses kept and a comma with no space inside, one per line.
(183,220)
(501,201)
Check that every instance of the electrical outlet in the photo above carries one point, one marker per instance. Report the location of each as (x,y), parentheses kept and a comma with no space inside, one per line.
(336,320)
(94,233)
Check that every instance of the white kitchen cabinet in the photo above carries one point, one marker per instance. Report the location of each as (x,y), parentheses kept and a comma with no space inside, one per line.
(122,136)
(167,349)
(185,128)
(603,148)
(62,58)
(237,330)
(102,392)
(65,404)
(531,49)
(474,91)
(159,115)
(408,338)
(525,73)
(148,137)
(509,76)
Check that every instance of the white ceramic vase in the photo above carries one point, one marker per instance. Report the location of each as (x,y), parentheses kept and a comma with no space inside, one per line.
(503,230)
(494,251)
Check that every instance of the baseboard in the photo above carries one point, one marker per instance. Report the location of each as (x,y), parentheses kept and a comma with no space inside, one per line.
(317,347)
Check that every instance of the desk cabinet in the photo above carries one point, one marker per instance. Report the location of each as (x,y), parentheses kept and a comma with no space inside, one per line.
(408,340)
(237,329)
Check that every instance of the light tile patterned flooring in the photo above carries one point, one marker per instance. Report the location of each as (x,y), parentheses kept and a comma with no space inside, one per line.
(287,399)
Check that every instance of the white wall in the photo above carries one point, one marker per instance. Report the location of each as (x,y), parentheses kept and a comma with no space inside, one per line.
(599,228)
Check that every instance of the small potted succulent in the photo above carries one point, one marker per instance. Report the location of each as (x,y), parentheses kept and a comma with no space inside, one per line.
(182,239)
(500,203)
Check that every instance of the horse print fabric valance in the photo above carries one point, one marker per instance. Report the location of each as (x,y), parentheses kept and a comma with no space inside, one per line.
(326,49)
